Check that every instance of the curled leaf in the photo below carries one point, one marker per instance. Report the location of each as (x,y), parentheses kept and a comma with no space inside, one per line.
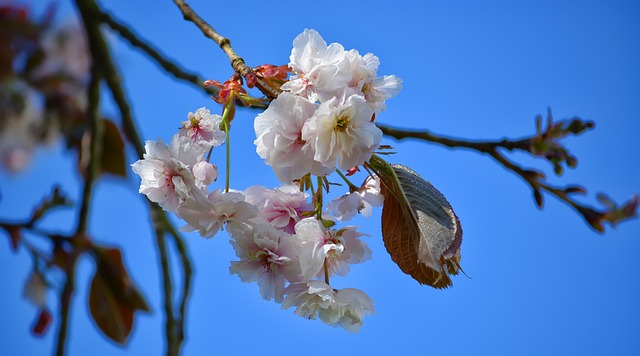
(419,228)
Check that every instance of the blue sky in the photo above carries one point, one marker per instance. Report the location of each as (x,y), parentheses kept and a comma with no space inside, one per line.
(540,281)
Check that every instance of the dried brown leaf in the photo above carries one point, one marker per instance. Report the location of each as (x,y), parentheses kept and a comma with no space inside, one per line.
(419,228)
(113,298)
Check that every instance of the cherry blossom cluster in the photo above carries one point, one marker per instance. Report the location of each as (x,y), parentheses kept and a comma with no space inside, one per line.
(286,239)
(325,118)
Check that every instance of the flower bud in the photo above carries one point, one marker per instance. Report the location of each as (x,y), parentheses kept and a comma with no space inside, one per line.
(205,173)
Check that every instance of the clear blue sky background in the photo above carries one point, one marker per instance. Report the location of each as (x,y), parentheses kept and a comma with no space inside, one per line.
(542,282)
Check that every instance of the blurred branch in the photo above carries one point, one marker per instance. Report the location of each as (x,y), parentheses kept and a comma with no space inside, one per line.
(65,305)
(173,347)
(237,63)
(161,223)
(545,144)
(94,131)
(166,64)
(188,271)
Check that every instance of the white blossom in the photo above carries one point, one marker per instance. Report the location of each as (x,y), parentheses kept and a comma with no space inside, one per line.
(345,308)
(339,248)
(208,216)
(279,138)
(361,201)
(166,178)
(376,90)
(322,71)
(342,130)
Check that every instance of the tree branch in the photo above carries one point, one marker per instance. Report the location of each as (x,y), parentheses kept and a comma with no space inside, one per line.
(65,306)
(553,152)
(170,325)
(237,63)
(174,328)
(188,272)
(168,65)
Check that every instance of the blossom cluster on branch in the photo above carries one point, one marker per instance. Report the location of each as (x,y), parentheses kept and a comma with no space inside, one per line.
(286,239)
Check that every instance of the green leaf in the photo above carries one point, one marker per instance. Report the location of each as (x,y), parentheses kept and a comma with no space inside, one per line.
(113,298)
(419,228)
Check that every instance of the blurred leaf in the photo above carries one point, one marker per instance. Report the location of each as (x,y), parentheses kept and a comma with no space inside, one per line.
(42,323)
(419,228)
(113,156)
(113,298)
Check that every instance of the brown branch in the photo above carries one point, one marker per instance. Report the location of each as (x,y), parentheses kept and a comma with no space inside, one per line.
(166,64)
(65,305)
(237,63)
(188,272)
(173,346)
(535,179)
(95,130)
(482,146)
(174,328)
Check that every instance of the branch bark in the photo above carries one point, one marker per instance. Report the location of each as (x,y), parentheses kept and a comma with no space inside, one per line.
(237,63)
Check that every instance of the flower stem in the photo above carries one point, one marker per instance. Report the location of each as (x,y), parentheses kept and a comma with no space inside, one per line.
(228,108)
(319,199)
(352,187)
(326,271)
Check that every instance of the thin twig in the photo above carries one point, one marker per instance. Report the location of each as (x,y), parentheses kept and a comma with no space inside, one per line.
(535,179)
(170,325)
(237,63)
(188,271)
(482,146)
(65,305)
(168,65)
(95,130)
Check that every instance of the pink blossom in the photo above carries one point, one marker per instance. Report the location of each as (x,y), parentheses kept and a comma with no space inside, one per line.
(205,173)
(203,128)
(282,207)
(166,179)
(267,256)
(208,216)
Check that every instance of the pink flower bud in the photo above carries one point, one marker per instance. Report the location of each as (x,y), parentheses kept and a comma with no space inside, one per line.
(205,172)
